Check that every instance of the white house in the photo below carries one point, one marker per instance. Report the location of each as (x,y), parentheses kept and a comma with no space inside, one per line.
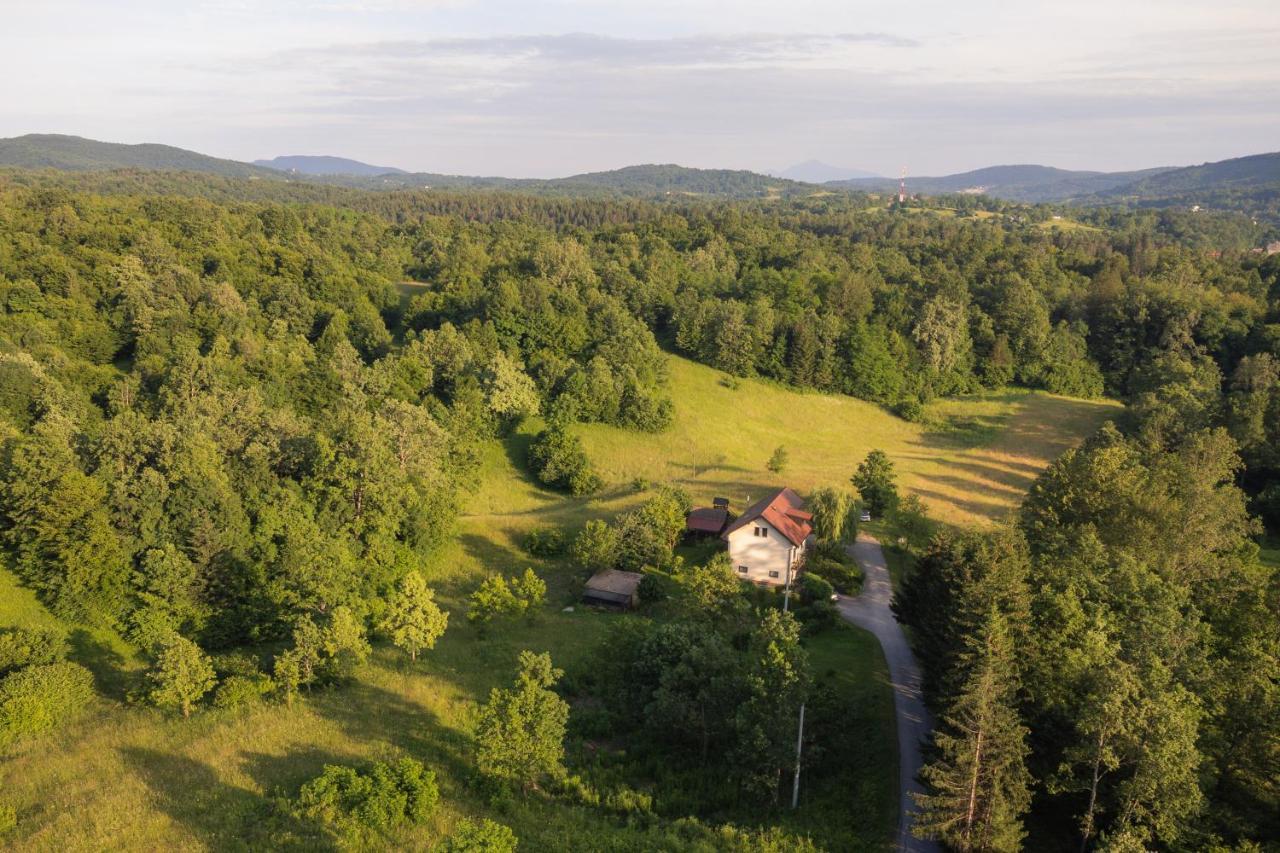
(767,543)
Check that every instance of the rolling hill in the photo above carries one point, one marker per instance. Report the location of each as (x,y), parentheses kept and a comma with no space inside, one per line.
(817,172)
(1249,185)
(1027,183)
(649,180)
(325,165)
(75,153)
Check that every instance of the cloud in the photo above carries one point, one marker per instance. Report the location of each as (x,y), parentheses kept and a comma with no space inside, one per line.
(584,84)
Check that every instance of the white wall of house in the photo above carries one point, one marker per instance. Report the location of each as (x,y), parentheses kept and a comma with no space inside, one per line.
(764,553)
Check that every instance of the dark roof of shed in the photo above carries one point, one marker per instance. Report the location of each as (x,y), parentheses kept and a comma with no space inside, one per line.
(614,581)
(782,509)
(707,520)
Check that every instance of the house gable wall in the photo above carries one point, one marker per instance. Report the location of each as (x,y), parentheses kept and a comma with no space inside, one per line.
(761,554)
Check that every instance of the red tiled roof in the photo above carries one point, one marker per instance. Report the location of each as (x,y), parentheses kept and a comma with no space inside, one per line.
(707,520)
(782,510)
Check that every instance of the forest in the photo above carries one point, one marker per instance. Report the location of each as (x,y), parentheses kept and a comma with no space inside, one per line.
(239,418)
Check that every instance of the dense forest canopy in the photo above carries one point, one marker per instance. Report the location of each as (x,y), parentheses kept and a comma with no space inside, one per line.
(229,408)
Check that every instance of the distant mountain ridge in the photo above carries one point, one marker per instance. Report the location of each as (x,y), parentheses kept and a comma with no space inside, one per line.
(652,179)
(1021,182)
(1237,173)
(817,172)
(1247,184)
(313,164)
(77,154)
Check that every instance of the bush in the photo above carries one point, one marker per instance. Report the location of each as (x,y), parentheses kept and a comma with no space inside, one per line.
(40,698)
(653,588)
(815,588)
(501,596)
(486,836)
(544,542)
(828,550)
(595,547)
(816,611)
(20,647)
(236,663)
(557,459)
(349,801)
(845,577)
(910,410)
(241,691)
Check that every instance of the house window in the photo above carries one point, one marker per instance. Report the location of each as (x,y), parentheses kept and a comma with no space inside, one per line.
(742,570)
(762,531)
(773,574)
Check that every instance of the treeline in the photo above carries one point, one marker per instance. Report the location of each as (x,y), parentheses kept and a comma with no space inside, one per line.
(214,424)
(1107,668)
(221,415)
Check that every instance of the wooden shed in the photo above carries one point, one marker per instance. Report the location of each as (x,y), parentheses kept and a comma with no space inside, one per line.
(613,588)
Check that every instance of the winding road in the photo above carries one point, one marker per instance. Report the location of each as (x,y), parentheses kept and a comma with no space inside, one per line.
(870,610)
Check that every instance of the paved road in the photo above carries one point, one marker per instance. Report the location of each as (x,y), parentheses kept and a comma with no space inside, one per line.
(870,610)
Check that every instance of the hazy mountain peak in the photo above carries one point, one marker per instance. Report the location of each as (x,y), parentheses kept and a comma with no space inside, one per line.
(817,172)
(323,164)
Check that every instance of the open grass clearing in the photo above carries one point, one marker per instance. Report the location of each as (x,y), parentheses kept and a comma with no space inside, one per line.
(132,778)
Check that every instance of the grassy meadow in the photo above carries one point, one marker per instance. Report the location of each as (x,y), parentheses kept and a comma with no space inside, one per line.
(129,777)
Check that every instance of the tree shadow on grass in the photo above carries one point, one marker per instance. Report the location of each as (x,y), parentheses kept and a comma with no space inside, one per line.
(369,712)
(106,664)
(222,816)
(988,509)
(283,775)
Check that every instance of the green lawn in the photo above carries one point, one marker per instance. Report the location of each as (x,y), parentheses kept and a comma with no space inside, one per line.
(971,463)
(128,777)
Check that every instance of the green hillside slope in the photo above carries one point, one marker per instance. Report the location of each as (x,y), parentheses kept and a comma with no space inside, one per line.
(74,153)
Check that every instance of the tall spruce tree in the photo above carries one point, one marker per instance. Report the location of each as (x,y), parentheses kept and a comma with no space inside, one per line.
(978,787)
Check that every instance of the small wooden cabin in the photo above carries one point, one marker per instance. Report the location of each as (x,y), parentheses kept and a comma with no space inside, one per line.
(613,588)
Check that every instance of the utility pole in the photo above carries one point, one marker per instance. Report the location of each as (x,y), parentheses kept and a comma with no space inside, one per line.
(795,785)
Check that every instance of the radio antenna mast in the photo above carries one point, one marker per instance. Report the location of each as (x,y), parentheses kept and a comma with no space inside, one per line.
(902,187)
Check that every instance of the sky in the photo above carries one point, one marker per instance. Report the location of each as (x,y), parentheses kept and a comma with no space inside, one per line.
(545,88)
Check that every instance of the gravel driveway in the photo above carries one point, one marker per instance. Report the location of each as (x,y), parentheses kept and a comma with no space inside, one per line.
(870,610)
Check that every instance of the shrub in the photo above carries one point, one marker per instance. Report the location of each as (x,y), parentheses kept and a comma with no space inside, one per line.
(236,663)
(40,698)
(241,691)
(653,588)
(501,596)
(557,459)
(815,588)
(845,577)
(492,598)
(909,409)
(486,836)
(20,647)
(349,801)
(595,547)
(544,542)
(646,412)
(778,461)
(648,534)
(828,550)
(181,676)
